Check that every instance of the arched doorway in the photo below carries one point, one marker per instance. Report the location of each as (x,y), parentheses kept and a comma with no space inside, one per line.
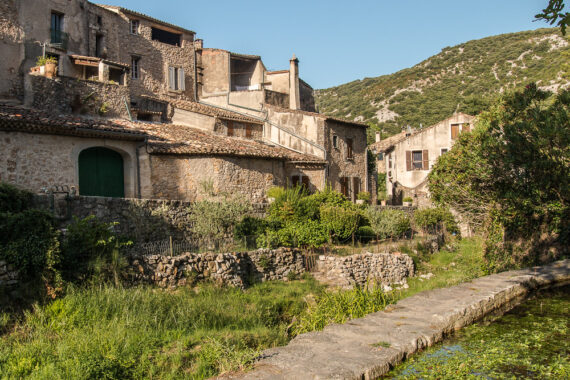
(101,173)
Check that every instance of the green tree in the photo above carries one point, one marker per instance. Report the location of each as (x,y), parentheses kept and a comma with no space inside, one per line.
(553,13)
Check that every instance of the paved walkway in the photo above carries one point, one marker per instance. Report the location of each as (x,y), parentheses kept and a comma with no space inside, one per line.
(354,350)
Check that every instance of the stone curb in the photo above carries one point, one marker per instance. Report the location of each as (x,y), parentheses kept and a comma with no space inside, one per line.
(350,350)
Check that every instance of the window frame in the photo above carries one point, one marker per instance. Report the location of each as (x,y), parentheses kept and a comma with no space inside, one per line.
(134,24)
(443,151)
(415,162)
(135,67)
(349,149)
(176,79)
(335,141)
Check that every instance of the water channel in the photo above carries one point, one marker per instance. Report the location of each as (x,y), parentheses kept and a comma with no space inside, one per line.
(532,341)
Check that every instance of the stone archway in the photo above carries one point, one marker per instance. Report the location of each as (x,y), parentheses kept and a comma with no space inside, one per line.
(101,172)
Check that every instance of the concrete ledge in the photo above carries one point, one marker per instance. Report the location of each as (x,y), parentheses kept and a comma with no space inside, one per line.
(349,351)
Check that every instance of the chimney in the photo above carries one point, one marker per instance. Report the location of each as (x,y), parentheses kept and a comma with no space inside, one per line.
(199,44)
(294,98)
(378,136)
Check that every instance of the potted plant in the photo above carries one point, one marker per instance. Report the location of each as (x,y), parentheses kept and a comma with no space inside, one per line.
(407,201)
(382,197)
(51,67)
(362,197)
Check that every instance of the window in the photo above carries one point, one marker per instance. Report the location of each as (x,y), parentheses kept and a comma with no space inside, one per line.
(380,157)
(134,26)
(335,141)
(417,160)
(135,67)
(355,187)
(165,37)
(454,131)
(344,186)
(56,28)
(443,151)
(348,148)
(295,180)
(176,79)
(230,128)
(99,20)
(248,131)
(99,45)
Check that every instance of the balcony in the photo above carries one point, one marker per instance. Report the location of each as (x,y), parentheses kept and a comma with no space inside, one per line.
(58,39)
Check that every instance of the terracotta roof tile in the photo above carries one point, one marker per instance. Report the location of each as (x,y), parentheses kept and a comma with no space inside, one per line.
(21,119)
(161,138)
(211,111)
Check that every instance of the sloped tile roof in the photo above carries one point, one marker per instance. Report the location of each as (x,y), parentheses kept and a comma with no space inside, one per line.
(211,111)
(387,143)
(322,116)
(161,138)
(19,119)
(116,9)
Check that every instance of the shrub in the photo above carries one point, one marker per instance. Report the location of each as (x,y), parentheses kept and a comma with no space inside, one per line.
(216,219)
(388,223)
(431,219)
(13,199)
(339,221)
(364,195)
(408,199)
(249,229)
(365,234)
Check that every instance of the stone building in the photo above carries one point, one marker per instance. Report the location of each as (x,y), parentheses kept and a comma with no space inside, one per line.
(408,157)
(139,108)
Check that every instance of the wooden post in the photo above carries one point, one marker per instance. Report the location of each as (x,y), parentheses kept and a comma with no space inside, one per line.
(171,250)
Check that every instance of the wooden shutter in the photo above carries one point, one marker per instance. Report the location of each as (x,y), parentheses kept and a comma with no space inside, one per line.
(248,130)
(181,85)
(348,148)
(171,78)
(344,186)
(230,128)
(408,160)
(454,131)
(425,157)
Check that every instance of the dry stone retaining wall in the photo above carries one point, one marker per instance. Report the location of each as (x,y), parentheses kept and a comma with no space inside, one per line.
(8,275)
(384,268)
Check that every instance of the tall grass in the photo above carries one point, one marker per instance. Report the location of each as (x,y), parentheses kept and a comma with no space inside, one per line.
(107,332)
(114,333)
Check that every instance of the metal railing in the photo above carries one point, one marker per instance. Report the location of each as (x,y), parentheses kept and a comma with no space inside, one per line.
(58,39)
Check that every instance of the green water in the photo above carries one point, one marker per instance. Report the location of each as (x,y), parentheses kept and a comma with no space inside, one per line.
(530,342)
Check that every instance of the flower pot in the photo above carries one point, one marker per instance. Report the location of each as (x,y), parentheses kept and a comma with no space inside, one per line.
(50,68)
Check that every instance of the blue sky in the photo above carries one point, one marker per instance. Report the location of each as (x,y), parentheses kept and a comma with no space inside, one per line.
(341,41)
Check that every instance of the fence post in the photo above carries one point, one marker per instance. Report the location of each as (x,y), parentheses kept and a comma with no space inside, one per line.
(171,250)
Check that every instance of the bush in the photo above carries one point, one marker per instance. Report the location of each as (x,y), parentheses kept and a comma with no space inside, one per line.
(13,199)
(431,220)
(216,219)
(364,195)
(339,221)
(388,223)
(407,199)
(365,234)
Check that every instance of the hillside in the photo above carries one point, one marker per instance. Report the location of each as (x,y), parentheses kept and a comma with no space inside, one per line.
(465,78)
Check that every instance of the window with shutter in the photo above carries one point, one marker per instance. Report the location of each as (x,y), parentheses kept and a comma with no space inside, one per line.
(454,131)
(348,148)
(425,156)
(344,186)
(172,78)
(181,85)
(248,131)
(355,187)
(230,128)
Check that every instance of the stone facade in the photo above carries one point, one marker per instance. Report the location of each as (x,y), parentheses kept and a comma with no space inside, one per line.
(40,161)
(70,95)
(365,268)
(191,177)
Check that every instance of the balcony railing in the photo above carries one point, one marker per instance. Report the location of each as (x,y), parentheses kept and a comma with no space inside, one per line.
(59,39)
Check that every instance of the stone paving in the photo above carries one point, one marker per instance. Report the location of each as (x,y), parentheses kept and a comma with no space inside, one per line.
(354,350)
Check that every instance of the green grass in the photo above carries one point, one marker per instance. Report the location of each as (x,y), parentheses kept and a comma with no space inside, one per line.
(144,332)
(115,333)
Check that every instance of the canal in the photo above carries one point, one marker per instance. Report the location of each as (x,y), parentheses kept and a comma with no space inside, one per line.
(532,341)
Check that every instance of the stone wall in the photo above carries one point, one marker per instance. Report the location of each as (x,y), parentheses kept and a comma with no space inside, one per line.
(11,34)
(145,220)
(360,269)
(278,99)
(8,276)
(71,95)
(190,178)
(238,269)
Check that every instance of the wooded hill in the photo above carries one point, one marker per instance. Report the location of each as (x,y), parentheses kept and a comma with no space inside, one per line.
(466,77)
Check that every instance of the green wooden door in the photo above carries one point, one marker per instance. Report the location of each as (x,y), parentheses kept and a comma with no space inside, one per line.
(101,173)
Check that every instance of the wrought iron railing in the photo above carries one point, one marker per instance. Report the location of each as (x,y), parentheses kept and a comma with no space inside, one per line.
(58,39)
